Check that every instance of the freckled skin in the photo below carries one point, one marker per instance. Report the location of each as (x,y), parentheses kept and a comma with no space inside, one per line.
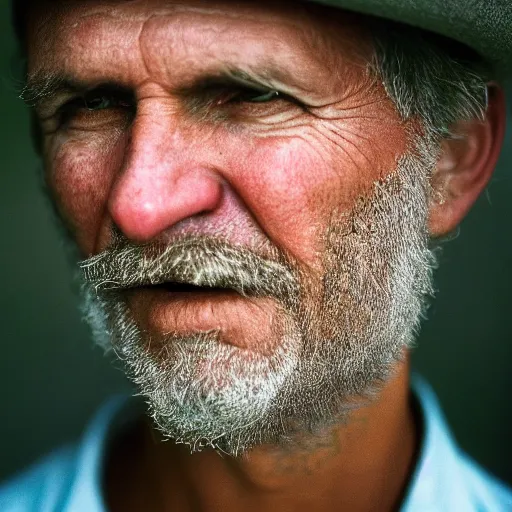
(334,150)
(275,171)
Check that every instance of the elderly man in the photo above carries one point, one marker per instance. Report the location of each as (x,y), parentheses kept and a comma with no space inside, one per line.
(255,191)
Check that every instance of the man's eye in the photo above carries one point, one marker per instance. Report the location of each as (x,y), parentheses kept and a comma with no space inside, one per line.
(101,100)
(254,96)
(242,104)
(98,102)
(95,101)
(95,107)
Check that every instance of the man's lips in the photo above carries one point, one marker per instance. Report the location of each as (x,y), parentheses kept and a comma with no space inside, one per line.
(184,308)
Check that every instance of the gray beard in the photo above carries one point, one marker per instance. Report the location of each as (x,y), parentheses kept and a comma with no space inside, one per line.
(340,337)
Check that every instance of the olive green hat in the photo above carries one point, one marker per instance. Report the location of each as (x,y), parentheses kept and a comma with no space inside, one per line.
(484,25)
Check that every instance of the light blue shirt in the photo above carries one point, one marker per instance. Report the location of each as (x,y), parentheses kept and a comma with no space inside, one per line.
(444,480)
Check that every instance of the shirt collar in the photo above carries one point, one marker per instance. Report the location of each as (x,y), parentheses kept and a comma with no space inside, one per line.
(435,483)
(87,490)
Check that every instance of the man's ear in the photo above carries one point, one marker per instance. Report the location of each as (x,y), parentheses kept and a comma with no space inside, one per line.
(466,165)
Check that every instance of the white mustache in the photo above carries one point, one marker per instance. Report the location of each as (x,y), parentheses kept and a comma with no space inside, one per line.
(195,261)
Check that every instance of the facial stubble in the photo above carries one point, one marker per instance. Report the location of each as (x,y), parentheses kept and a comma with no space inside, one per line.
(340,338)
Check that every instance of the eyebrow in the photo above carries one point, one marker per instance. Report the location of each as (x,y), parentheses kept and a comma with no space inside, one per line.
(44,86)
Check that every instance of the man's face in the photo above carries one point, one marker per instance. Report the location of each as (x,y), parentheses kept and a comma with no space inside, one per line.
(248,150)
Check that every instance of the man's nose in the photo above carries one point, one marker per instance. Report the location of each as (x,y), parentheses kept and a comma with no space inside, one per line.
(164,180)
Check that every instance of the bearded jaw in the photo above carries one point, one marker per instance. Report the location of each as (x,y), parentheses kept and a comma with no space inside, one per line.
(378,278)
(200,391)
(341,343)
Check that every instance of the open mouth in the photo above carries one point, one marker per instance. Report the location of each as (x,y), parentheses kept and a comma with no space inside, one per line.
(175,287)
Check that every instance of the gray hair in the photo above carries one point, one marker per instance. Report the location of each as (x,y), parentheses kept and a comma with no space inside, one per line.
(428,77)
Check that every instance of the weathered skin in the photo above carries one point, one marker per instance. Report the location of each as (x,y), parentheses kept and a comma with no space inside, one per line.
(268,172)
(262,175)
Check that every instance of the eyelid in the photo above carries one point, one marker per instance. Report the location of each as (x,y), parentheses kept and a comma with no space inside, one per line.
(261,91)
(238,92)
(122,98)
(48,108)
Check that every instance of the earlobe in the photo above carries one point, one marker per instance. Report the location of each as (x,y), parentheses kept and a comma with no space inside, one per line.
(466,164)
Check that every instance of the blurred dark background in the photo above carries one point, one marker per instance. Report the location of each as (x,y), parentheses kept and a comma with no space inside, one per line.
(52,378)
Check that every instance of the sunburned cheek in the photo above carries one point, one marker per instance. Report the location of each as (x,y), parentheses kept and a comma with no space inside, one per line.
(297,182)
(80,176)
(281,181)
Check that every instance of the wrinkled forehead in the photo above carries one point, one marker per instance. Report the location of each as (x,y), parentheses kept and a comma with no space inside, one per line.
(300,13)
(113,34)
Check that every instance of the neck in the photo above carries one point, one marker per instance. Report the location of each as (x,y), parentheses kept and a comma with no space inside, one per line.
(360,465)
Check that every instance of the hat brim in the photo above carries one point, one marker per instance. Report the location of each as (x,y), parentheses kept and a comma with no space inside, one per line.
(484,25)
